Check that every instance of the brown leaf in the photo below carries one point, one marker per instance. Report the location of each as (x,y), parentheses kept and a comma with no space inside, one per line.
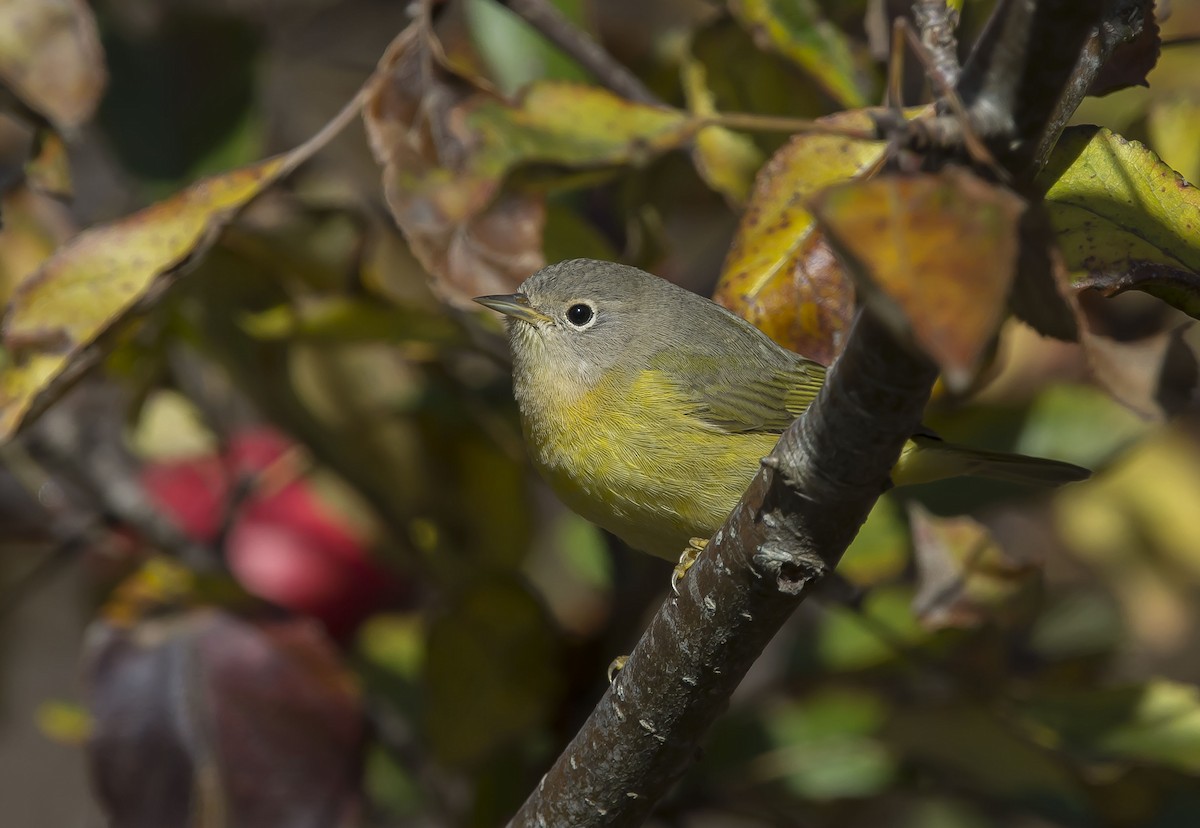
(1156,376)
(1131,62)
(50,56)
(206,715)
(934,256)
(964,575)
(447,146)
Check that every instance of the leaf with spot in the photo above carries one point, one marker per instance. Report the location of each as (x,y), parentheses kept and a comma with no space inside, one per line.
(1124,220)
(780,273)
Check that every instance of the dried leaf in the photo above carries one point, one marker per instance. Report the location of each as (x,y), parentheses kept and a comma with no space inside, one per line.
(446,149)
(964,575)
(1124,219)
(780,273)
(933,254)
(94,281)
(1156,376)
(50,56)
(797,30)
(1131,61)
(206,715)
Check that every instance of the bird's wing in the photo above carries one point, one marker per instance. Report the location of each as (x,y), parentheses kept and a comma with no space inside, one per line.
(763,398)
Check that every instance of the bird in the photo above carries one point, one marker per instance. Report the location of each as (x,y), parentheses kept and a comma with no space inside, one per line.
(648,408)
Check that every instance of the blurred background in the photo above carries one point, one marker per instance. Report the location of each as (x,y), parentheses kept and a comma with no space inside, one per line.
(279,558)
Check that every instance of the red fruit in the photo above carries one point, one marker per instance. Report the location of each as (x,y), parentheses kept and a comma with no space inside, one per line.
(284,544)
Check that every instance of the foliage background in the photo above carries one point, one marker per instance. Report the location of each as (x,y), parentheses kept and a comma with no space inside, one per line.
(1040,671)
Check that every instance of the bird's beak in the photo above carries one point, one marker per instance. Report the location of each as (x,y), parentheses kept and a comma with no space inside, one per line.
(515,305)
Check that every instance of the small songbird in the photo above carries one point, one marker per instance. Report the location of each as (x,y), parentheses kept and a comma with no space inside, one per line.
(648,407)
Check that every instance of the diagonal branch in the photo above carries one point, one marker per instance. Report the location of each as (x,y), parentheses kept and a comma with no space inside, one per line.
(791,527)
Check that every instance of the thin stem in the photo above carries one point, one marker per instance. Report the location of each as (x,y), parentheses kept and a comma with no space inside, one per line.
(559,30)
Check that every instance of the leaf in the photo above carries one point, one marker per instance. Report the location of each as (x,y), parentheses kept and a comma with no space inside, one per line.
(1132,60)
(446,148)
(34,225)
(825,747)
(726,160)
(206,715)
(797,30)
(1156,376)
(90,284)
(969,748)
(1157,723)
(780,273)
(933,255)
(346,320)
(1173,125)
(490,671)
(50,56)
(964,575)
(49,170)
(1124,219)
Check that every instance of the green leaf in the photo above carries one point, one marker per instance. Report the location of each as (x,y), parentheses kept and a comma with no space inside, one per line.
(573,125)
(825,746)
(1158,723)
(797,30)
(491,671)
(346,320)
(975,749)
(1124,219)
(847,641)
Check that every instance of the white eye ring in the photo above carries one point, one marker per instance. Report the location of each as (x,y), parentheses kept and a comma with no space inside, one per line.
(581,315)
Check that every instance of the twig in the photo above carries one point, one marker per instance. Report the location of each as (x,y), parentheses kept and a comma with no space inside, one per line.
(62,553)
(937,21)
(559,30)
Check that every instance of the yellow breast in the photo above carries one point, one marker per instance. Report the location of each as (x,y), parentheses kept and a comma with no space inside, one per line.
(629,456)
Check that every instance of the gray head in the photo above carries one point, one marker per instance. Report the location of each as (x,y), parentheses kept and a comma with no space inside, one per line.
(581,317)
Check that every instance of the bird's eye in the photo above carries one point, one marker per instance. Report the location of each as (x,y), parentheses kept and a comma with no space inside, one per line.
(580,314)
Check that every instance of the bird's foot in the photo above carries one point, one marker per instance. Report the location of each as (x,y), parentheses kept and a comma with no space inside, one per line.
(686,559)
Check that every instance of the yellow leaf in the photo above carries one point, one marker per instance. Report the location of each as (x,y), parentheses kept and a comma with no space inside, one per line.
(779,274)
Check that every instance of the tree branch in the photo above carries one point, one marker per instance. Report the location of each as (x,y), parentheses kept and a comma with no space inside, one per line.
(1031,67)
(791,527)
(936,22)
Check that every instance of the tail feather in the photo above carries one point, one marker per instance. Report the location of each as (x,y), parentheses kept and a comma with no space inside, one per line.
(925,459)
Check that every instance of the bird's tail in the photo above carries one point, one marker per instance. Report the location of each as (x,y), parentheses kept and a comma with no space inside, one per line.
(927,458)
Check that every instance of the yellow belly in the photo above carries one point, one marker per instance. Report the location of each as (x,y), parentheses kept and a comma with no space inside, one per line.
(654,480)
